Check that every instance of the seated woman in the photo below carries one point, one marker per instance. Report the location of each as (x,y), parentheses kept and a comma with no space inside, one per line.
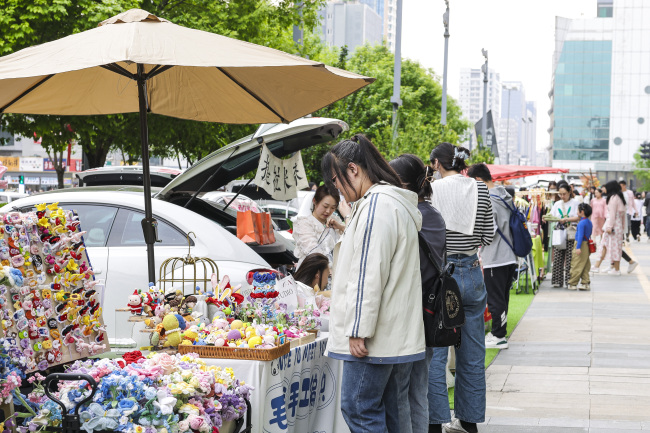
(312,278)
(318,232)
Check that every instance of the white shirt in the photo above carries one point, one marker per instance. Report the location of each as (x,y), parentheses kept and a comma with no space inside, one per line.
(569,209)
(312,236)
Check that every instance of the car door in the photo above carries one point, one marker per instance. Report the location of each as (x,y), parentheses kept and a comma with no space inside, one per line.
(128,257)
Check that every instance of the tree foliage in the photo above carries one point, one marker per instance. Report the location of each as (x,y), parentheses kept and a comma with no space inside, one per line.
(482,154)
(642,172)
(369,111)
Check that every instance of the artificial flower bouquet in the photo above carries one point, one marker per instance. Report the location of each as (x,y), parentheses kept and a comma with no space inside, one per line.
(159,393)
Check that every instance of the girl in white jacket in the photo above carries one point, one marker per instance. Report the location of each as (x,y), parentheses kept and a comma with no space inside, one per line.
(376,310)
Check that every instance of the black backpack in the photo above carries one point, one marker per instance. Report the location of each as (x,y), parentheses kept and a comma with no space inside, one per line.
(442,306)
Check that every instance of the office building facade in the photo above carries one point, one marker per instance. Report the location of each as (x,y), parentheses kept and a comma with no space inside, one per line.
(350,24)
(600,97)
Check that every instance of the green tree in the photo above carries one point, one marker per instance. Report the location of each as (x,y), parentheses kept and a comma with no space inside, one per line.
(24,23)
(369,110)
(642,171)
(482,154)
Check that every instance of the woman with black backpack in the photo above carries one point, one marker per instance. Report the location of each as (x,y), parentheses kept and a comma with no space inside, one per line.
(467,211)
(413,379)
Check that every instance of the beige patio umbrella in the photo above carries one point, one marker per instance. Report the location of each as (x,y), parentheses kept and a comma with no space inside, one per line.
(137,62)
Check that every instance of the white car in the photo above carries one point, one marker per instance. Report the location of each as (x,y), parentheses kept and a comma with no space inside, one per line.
(117,251)
(9,196)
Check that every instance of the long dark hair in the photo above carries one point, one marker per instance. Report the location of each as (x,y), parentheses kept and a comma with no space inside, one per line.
(614,188)
(415,175)
(450,157)
(360,151)
(313,264)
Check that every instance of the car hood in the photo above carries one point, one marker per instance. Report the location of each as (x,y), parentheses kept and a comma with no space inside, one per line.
(281,139)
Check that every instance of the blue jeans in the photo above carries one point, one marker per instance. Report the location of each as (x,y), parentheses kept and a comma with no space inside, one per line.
(412,381)
(368,397)
(469,395)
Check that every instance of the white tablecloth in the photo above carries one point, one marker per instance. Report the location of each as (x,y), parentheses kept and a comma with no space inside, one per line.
(298,392)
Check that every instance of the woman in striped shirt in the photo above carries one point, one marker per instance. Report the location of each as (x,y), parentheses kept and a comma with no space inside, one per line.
(467,210)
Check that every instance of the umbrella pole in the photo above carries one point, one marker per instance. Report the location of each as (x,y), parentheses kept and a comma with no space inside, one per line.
(149,224)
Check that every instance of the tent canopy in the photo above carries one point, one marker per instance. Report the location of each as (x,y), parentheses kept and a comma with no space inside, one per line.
(506,172)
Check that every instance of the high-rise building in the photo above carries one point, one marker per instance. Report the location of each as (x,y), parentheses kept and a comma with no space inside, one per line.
(390,23)
(512,131)
(470,97)
(350,24)
(600,97)
(531,133)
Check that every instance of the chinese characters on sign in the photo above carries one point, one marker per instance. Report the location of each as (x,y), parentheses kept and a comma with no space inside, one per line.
(281,178)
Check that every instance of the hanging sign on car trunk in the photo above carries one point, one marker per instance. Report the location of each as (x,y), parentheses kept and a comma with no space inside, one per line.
(281,178)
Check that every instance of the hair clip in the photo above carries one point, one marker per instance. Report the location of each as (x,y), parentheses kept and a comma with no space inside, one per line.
(29,352)
(23,334)
(20,324)
(43,332)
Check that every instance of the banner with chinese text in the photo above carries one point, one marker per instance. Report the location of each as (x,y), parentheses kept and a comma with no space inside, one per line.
(281,178)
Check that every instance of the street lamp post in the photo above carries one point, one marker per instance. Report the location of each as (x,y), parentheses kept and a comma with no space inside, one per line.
(485,83)
(397,72)
(443,109)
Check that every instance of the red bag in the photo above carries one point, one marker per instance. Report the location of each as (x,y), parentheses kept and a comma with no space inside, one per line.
(592,246)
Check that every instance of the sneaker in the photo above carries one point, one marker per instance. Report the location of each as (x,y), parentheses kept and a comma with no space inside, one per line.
(595,269)
(613,272)
(492,342)
(454,427)
(606,271)
(585,287)
(632,267)
(572,287)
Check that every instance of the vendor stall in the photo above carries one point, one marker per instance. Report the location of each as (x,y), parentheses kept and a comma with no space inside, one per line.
(297,392)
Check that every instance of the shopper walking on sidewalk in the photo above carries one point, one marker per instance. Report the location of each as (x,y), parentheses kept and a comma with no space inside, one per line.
(413,380)
(498,259)
(467,210)
(629,205)
(580,262)
(599,212)
(615,225)
(376,282)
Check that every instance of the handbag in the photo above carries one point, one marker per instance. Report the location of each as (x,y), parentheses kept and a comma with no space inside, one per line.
(442,306)
(249,228)
(559,237)
(592,246)
(571,231)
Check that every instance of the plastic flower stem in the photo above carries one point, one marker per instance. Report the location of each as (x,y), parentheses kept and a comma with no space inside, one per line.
(24,403)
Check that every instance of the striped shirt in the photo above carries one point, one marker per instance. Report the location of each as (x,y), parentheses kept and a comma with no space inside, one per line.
(460,243)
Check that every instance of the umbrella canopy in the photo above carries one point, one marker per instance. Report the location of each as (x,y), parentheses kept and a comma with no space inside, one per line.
(505,172)
(191,74)
(137,62)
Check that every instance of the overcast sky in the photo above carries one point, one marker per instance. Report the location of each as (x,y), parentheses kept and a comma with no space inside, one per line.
(518,34)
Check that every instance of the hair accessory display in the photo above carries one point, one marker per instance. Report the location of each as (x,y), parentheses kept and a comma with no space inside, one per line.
(45,268)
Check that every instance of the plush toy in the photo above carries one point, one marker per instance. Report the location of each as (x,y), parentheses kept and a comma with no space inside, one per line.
(135,303)
(147,306)
(187,306)
(173,324)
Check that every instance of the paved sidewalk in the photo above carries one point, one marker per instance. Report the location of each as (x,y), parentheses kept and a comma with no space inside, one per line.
(578,361)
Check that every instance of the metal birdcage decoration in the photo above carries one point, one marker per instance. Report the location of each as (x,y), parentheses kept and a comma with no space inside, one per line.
(183,270)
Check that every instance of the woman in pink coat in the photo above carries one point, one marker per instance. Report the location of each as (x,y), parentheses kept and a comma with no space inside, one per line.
(599,212)
(614,226)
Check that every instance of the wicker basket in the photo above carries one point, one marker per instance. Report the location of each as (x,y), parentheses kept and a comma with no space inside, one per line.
(236,352)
